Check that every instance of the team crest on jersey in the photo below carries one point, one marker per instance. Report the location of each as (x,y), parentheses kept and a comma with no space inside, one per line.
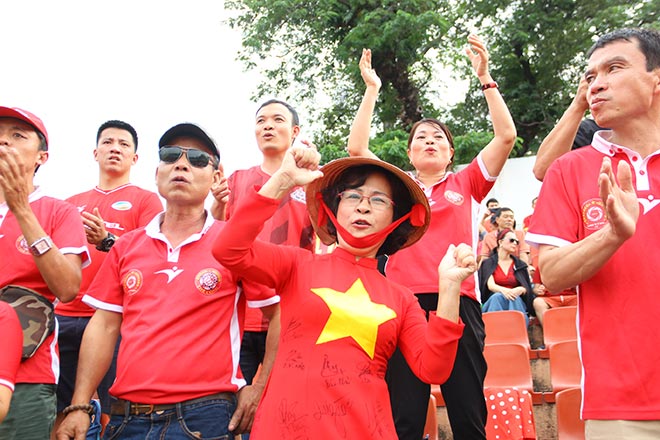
(132,282)
(299,195)
(593,214)
(208,281)
(22,246)
(454,197)
(123,205)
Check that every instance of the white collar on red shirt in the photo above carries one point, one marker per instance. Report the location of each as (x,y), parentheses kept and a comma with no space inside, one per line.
(153,229)
(601,143)
(421,185)
(109,191)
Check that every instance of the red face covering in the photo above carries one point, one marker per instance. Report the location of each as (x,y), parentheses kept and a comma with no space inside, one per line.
(416,215)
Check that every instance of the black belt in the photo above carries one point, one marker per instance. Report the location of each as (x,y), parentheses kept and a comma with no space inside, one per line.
(122,407)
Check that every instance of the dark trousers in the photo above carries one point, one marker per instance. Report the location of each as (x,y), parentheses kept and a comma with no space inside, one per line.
(253,349)
(463,391)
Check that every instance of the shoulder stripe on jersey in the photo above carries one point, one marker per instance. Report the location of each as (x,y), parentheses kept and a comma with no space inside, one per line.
(264,302)
(536,239)
(95,303)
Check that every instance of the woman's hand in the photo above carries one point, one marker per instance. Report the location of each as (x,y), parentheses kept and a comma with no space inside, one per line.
(478,55)
(458,263)
(299,167)
(512,294)
(369,75)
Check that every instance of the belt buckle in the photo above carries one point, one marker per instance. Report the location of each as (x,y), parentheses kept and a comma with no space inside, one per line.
(137,407)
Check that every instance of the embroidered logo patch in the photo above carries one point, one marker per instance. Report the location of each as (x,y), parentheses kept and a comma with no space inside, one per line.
(22,246)
(122,205)
(593,214)
(454,197)
(208,281)
(132,282)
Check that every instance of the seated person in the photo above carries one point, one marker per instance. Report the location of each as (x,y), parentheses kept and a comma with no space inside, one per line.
(503,278)
(504,219)
(487,222)
(545,300)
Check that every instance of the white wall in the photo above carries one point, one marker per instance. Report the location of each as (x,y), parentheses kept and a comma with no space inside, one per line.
(516,187)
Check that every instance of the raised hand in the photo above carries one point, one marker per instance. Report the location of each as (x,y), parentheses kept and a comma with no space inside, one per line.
(369,75)
(94,226)
(221,191)
(580,99)
(14,178)
(478,55)
(620,199)
(458,263)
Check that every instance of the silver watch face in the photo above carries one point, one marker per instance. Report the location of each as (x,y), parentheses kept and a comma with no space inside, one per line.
(41,246)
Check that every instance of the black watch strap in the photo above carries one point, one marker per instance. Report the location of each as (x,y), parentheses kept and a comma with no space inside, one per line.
(106,244)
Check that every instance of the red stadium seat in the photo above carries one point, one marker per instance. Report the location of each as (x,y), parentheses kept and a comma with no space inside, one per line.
(569,424)
(565,366)
(437,393)
(431,426)
(506,327)
(559,324)
(508,367)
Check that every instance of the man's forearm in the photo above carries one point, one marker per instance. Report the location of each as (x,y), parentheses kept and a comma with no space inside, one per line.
(96,351)
(567,266)
(62,273)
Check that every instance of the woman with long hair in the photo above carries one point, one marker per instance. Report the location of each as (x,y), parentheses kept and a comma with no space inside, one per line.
(504,279)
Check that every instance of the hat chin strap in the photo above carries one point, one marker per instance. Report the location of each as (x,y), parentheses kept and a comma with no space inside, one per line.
(357,242)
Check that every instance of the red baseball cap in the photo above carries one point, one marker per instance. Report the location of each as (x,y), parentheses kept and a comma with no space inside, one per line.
(25,116)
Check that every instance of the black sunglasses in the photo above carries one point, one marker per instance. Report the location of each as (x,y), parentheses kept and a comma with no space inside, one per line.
(197,158)
(514,240)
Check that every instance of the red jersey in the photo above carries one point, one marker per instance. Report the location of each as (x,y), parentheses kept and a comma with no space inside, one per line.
(618,307)
(341,321)
(123,209)
(289,225)
(11,347)
(181,315)
(455,204)
(61,222)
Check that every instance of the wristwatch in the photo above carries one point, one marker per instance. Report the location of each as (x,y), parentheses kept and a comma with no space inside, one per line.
(107,243)
(41,246)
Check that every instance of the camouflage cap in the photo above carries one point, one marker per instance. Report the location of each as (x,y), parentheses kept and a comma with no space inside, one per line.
(35,314)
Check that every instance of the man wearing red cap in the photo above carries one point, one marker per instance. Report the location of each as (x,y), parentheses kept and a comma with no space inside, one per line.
(42,244)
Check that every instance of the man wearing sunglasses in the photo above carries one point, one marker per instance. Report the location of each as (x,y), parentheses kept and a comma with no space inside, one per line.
(504,219)
(109,210)
(179,311)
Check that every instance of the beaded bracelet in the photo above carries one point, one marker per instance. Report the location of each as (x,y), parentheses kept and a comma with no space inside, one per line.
(89,409)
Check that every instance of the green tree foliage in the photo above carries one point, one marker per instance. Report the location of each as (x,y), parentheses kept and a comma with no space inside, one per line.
(537,51)
(311,48)
(316,45)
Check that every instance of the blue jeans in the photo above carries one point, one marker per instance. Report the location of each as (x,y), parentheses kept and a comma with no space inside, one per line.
(498,302)
(207,420)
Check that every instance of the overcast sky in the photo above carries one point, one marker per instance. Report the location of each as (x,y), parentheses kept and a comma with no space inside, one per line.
(79,63)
